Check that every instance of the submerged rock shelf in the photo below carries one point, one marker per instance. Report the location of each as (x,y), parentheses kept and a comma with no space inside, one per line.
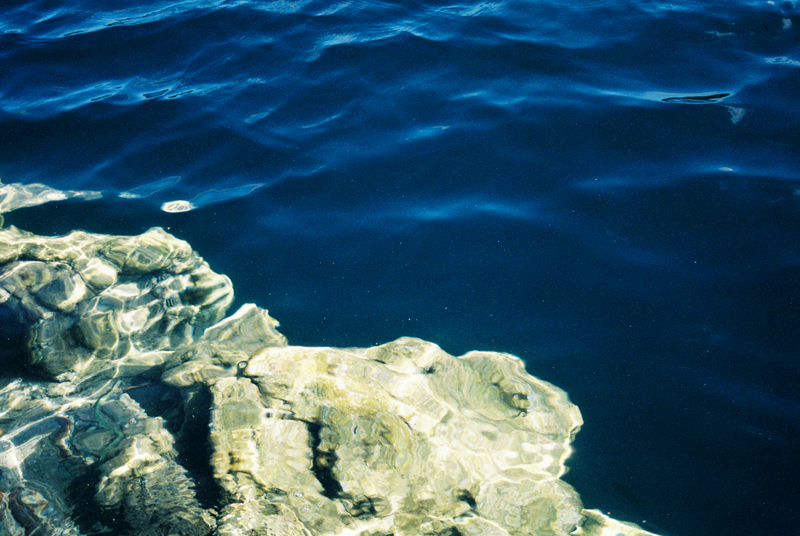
(400,439)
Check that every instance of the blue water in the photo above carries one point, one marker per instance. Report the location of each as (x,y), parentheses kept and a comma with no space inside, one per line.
(608,189)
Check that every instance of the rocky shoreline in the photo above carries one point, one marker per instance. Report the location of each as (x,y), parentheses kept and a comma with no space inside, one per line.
(137,367)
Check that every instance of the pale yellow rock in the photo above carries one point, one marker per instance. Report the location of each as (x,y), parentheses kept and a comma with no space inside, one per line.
(152,251)
(194,373)
(400,439)
(98,301)
(596,523)
(97,273)
(404,433)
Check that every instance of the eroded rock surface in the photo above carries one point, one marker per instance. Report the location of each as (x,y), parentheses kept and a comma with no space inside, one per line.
(107,305)
(400,439)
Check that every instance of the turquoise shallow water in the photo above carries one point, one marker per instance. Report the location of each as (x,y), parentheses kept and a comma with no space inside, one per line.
(609,190)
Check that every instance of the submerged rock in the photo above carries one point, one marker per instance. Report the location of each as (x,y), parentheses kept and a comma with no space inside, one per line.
(107,305)
(399,439)
(402,437)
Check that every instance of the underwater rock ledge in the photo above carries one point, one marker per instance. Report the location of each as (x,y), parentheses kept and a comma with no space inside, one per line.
(400,439)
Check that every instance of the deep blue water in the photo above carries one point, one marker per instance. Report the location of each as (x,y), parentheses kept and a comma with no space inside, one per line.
(608,189)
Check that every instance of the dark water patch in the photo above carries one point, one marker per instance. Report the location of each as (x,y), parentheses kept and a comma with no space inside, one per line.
(110,216)
(323,463)
(13,340)
(195,449)
(698,99)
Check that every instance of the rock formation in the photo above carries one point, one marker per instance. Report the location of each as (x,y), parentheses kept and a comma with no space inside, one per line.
(149,412)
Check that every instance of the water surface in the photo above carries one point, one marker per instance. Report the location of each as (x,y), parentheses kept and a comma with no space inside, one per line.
(608,189)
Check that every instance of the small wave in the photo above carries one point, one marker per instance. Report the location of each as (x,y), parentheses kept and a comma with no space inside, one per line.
(210,197)
(402,216)
(783,60)
(146,190)
(697,99)
(15,196)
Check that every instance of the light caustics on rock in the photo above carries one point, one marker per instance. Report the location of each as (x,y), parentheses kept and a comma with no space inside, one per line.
(14,196)
(398,439)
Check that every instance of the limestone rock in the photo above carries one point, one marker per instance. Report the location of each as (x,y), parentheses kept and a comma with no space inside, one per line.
(402,435)
(97,303)
(400,439)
